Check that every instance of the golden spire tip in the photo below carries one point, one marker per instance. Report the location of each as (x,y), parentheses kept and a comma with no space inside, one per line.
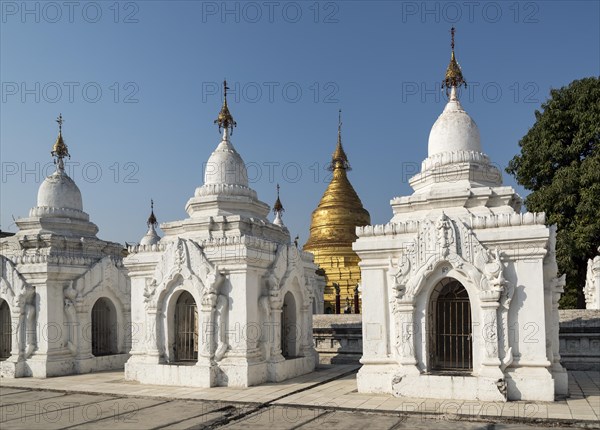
(60,150)
(339,158)
(454,77)
(225,119)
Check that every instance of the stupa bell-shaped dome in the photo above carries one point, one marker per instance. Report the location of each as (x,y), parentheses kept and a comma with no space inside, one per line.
(454,130)
(225,165)
(59,191)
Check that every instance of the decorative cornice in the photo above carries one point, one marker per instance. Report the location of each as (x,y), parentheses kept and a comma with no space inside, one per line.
(474,222)
(453,157)
(247,241)
(226,190)
(41,211)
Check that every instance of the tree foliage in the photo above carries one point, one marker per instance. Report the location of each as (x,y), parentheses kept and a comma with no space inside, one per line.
(560,164)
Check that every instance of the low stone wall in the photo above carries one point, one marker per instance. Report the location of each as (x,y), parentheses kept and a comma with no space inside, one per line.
(338,338)
(580,339)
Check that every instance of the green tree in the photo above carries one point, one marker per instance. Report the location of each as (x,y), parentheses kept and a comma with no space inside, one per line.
(560,164)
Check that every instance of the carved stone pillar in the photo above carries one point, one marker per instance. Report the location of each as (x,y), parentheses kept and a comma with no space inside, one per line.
(17,339)
(559,373)
(305,344)
(83,333)
(276,334)
(405,329)
(490,365)
(152,335)
(206,329)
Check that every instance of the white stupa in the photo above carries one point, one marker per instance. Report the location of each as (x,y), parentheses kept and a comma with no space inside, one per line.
(55,273)
(224,289)
(460,289)
(151,237)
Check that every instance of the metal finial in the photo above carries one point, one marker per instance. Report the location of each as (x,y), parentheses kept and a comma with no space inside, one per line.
(225,119)
(339,158)
(278,207)
(454,77)
(60,121)
(152,222)
(59,149)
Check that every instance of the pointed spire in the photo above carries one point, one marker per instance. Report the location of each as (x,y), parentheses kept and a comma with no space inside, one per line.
(278,207)
(339,159)
(60,150)
(152,218)
(278,210)
(151,237)
(454,78)
(225,119)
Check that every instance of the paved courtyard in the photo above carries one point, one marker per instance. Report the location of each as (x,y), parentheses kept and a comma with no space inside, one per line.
(325,398)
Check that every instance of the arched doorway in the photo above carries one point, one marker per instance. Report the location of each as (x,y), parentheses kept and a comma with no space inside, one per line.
(289,328)
(104,328)
(451,340)
(185,347)
(5,331)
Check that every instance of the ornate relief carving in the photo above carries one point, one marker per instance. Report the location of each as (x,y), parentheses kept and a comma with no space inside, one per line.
(21,297)
(105,274)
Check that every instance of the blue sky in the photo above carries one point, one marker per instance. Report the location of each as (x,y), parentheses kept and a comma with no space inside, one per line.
(137,85)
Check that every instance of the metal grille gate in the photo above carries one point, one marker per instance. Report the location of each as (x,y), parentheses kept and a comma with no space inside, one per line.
(5,331)
(186,328)
(452,348)
(102,329)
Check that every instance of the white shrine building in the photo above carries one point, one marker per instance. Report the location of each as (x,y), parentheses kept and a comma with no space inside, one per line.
(460,289)
(64,294)
(591,289)
(224,298)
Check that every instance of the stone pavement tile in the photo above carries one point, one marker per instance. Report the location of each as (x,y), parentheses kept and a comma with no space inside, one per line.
(49,407)
(344,420)
(372,403)
(353,403)
(5,391)
(559,411)
(520,410)
(410,405)
(203,421)
(430,406)
(540,412)
(28,396)
(583,413)
(276,418)
(450,407)
(594,401)
(158,415)
(117,413)
(390,404)
(471,407)
(491,409)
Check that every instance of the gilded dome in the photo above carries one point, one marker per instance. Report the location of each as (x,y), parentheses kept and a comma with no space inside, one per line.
(340,210)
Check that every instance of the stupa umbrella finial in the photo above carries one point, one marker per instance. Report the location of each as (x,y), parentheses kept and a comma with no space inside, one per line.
(225,119)
(454,78)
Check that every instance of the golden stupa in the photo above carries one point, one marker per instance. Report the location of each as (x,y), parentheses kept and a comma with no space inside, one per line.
(332,232)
